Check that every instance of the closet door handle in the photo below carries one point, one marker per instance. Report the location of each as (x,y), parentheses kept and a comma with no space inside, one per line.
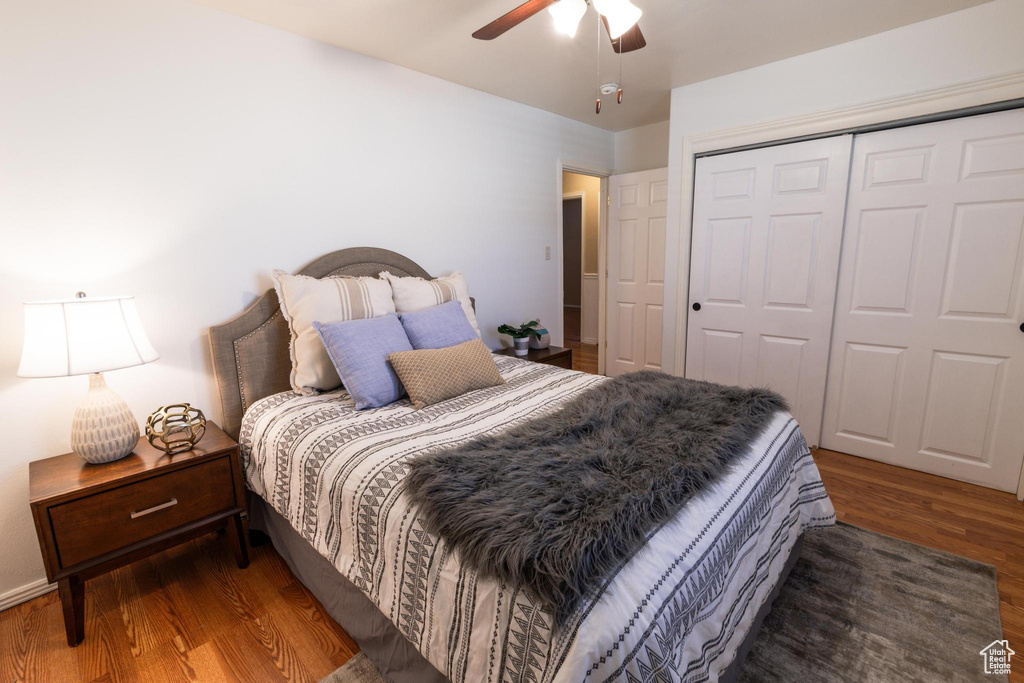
(696,307)
(1022,327)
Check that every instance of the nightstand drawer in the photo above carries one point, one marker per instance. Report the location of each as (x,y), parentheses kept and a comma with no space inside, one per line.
(562,361)
(89,527)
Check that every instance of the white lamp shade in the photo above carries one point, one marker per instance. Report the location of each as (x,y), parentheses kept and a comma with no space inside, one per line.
(567,15)
(82,336)
(622,15)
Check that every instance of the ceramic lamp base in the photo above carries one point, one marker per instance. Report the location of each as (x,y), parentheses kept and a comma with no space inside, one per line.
(104,428)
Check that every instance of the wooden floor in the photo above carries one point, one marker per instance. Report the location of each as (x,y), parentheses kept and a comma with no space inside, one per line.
(584,356)
(960,518)
(571,324)
(186,614)
(189,614)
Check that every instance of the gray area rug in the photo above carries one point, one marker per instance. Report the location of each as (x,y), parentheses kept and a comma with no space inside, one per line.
(860,606)
(359,669)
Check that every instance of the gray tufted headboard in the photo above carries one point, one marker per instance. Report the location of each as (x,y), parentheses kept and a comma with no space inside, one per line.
(250,352)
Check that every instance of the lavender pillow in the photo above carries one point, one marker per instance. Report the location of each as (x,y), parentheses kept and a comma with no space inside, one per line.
(438,327)
(359,350)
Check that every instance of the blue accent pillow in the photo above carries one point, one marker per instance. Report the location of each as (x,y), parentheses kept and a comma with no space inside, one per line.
(359,350)
(438,327)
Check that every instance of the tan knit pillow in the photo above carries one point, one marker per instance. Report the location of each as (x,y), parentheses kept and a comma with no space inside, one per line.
(433,375)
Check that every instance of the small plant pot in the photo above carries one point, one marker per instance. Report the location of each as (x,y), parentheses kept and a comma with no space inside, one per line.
(541,342)
(521,345)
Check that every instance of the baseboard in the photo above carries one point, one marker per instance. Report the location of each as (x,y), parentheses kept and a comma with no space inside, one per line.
(25,593)
(589,340)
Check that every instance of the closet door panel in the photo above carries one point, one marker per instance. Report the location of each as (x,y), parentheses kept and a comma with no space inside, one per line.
(932,276)
(767,230)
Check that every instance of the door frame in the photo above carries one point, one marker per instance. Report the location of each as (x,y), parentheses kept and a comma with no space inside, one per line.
(603,174)
(582,196)
(991,92)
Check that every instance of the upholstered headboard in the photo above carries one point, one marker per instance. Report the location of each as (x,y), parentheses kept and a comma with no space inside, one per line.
(250,352)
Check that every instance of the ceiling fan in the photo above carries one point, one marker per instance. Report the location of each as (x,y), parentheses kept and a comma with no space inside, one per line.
(619,17)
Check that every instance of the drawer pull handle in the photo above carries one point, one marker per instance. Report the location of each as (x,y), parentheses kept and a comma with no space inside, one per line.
(161,506)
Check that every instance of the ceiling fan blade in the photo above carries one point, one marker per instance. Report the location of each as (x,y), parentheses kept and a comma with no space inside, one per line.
(631,40)
(511,19)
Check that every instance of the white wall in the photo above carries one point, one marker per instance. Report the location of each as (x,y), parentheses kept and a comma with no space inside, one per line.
(975,43)
(177,153)
(642,148)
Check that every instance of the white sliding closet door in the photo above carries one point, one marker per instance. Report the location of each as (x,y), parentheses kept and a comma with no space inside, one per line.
(927,366)
(636,270)
(767,228)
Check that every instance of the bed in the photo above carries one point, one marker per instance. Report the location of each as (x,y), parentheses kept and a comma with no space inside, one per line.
(326,483)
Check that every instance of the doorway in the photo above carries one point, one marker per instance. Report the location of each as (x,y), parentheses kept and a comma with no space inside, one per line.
(581,238)
(572,265)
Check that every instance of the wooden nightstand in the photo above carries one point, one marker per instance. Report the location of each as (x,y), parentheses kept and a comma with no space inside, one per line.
(553,355)
(91,519)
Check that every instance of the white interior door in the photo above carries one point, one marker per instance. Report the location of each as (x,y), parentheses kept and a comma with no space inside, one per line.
(636,270)
(767,230)
(927,367)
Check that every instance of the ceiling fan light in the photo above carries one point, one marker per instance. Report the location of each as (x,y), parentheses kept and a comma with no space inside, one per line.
(622,15)
(567,15)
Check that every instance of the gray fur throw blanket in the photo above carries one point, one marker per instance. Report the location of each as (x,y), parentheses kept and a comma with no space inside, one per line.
(556,504)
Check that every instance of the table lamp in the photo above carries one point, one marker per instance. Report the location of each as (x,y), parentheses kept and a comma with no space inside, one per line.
(89,336)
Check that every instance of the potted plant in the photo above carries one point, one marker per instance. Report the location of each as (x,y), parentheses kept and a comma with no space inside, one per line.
(521,335)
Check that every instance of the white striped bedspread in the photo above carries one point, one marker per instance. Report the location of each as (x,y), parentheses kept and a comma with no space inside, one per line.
(676,611)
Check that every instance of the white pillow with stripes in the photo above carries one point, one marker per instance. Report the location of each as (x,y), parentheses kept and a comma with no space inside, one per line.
(415,293)
(305,300)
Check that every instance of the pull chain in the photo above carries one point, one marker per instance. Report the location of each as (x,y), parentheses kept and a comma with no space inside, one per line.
(597,104)
(618,95)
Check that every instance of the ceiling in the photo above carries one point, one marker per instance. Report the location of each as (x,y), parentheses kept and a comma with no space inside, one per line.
(687,41)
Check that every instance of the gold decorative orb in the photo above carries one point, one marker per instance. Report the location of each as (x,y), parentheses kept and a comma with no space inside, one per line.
(175,428)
